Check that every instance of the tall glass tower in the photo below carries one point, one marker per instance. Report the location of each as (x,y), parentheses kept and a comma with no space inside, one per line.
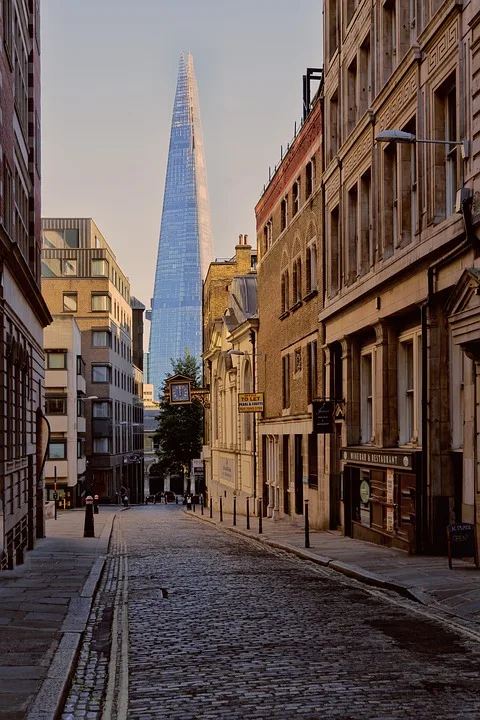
(185,245)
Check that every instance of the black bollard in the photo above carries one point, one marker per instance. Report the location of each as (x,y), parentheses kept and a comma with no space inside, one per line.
(248,513)
(234,509)
(201,504)
(260,529)
(211,508)
(221,511)
(307,528)
(89,527)
(193,503)
(95,504)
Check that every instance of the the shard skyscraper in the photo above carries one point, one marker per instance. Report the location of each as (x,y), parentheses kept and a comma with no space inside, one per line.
(185,245)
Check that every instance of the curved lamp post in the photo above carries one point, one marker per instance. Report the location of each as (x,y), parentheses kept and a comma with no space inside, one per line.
(401,136)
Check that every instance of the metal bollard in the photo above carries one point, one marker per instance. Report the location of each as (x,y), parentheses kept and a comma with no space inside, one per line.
(201,504)
(307,528)
(211,508)
(89,526)
(221,511)
(95,504)
(193,505)
(260,516)
(234,509)
(248,513)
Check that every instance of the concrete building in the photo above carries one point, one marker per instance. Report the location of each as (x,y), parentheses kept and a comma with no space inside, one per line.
(230,325)
(81,277)
(400,318)
(137,493)
(290,293)
(23,313)
(65,392)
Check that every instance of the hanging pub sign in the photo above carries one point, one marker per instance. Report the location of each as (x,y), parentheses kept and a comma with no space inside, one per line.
(322,411)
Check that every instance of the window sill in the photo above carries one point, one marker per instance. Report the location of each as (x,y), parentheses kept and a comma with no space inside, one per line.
(284,315)
(295,307)
(310,295)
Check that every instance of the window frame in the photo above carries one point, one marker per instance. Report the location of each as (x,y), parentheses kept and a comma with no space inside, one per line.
(60,443)
(48,356)
(72,295)
(108,367)
(367,394)
(410,428)
(99,295)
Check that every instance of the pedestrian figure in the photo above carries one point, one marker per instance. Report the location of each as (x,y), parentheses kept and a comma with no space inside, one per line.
(189,502)
(176,499)
(125,500)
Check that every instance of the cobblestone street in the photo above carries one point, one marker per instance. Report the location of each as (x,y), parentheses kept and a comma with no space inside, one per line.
(221,628)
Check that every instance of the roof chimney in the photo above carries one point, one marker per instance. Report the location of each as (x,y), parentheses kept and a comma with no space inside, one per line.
(245,239)
(240,239)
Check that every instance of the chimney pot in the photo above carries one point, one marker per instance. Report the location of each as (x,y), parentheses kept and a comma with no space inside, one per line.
(245,239)
(240,239)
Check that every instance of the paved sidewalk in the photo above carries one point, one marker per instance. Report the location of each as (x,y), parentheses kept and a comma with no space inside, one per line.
(426,579)
(44,607)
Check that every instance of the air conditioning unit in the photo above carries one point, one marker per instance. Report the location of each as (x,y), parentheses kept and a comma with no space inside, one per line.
(462,195)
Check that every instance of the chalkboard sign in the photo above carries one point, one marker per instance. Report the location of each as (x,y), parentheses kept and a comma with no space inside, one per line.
(461,542)
(323,416)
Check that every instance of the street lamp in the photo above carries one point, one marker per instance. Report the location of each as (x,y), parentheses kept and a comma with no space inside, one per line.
(401,136)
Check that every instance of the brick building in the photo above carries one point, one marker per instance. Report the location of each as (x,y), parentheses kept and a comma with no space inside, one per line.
(290,292)
(400,322)
(81,277)
(24,313)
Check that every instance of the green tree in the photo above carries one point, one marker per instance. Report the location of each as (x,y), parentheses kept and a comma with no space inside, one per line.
(180,427)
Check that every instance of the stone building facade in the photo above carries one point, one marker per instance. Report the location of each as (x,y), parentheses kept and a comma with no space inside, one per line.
(230,367)
(23,312)
(290,292)
(81,277)
(400,272)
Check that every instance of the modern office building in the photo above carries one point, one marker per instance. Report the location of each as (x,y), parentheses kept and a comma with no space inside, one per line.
(65,392)
(23,312)
(185,245)
(81,277)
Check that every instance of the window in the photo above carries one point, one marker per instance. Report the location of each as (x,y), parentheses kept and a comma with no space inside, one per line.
(312,386)
(352,235)
(100,268)
(296,197)
(284,214)
(101,338)
(390,209)
(297,281)
(333,23)
(286,381)
(8,28)
(71,237)
(80,448)
(409,388)
(70,302)
(56,405)
(101,303)
(389,39)
(334,264)
(351,95)
(313,460)
(309,177)
(81,407)
(334,125)
(367,395)
(365,89)
(408,175)
(101,409)
(365,249)
(57,450)
(80,366)
(459,367)
(101,445)
(447,170)
(7,198)
(285,290)
(101,373)
(69,267)
(267,235)
(311,267)
(56,360)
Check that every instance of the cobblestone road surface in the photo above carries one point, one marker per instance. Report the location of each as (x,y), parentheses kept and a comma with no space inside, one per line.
(222,629)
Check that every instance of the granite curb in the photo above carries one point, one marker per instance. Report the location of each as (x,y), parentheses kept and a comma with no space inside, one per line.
(354,571)
(49,701)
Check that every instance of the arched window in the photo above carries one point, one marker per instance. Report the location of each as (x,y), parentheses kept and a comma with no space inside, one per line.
(248,388)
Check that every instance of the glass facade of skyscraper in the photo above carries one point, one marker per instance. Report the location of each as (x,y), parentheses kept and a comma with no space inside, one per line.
(185,245)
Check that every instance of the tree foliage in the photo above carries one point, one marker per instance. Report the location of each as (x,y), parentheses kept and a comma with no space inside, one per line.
(180,427)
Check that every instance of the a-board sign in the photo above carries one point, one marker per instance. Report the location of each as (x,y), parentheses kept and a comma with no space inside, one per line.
(461,542)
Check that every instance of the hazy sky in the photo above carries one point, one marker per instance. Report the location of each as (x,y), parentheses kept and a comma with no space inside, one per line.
(109,71)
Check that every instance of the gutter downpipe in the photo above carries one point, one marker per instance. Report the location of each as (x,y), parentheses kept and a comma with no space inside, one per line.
(254,368)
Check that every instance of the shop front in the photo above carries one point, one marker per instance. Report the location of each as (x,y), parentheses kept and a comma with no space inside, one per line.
(382,495)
